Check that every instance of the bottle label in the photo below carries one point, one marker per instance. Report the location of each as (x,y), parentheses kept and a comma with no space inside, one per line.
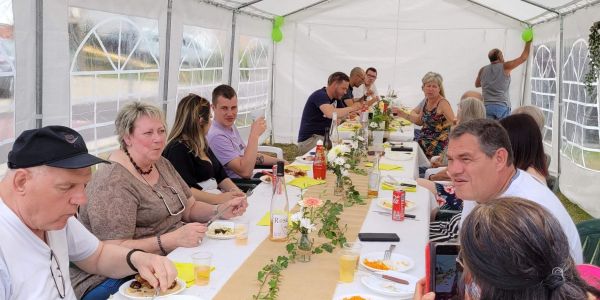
(373,181)
(280,226)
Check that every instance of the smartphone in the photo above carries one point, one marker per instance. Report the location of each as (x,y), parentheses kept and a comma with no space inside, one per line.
(378,237)
(445,272)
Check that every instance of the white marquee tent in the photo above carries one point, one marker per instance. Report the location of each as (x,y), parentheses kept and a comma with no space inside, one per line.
(75,62)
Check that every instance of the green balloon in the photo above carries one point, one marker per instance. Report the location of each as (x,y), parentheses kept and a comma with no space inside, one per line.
(276,35)
(277,21)
(527,35)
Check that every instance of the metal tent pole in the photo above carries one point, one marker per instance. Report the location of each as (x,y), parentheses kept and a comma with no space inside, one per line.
(167,57)
(39,61)
(306,7)
(231,48)
(498,12)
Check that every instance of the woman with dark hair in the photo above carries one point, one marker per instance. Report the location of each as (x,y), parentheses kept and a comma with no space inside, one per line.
(513,248)
(527,146)
(188,152)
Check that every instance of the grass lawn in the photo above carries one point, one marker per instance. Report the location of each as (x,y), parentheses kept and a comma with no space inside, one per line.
(290,151)
(577,214)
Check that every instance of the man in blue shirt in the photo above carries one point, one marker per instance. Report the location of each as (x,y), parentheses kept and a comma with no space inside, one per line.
(357,78)
(319,109)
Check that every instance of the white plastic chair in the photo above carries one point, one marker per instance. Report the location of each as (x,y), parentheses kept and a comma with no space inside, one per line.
(278,152)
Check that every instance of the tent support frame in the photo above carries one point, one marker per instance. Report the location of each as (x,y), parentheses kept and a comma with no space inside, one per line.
(39,62)
(498,12)
(167,56)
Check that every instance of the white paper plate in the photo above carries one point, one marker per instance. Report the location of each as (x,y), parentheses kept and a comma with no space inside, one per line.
(390,288)
(366,296)
(304,159)
(221,224)
(397,262)
(124,286)
(387,204)
(398,155)
(287,177)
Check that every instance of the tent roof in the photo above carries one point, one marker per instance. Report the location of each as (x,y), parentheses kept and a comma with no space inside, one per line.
(528,11)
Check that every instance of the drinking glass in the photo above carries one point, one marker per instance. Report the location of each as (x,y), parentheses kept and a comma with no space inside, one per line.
(349,261)
(242,228)
(202,267)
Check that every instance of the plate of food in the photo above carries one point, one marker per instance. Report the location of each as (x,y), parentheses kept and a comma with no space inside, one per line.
(295,171)
(358,296)
(386,287)
(374,261)
(305,159)
(387,204)
(221,230)
(268,179)
(139,288)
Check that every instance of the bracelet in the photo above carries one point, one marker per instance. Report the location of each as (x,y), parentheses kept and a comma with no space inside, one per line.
(128,258)
(160,246)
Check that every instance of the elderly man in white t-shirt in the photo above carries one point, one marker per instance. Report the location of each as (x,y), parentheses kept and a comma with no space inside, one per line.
(480,164)
(39,197)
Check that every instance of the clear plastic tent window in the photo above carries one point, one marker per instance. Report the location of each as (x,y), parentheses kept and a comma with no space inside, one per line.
(114,61)
(581,133)
(201,67)
(254,84)
(543,85)
(7,80)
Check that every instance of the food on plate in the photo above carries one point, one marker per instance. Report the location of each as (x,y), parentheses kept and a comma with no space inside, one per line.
(376,264)
(219,229)
(140,287)
(309,158)
(266,178)
(295,171)
(354,298)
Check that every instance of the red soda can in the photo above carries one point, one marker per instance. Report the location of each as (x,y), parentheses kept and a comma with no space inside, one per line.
(398,204)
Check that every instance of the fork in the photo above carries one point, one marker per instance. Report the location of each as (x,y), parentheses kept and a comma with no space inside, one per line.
(156,292)
(388,253)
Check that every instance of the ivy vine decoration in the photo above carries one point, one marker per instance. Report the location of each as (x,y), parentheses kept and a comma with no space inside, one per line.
(594,65)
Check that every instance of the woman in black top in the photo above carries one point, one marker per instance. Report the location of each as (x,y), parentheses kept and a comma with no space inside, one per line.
(188,152)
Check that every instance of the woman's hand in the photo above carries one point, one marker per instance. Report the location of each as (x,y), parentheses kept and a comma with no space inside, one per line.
(234,207)
(189,235)
(224,197)
(420,292)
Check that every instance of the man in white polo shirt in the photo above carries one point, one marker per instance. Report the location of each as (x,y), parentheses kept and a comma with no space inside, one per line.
(39,235)
(480,164)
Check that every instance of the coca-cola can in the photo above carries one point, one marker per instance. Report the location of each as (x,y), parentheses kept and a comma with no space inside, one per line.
(398,204)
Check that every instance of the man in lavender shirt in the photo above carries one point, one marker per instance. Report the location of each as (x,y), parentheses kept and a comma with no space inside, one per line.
(225,141)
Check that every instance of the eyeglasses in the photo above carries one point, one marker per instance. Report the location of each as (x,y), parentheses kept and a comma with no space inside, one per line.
(372,76)
(57,275)
(174,192)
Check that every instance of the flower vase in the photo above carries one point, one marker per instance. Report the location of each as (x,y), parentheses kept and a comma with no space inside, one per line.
(304,248)
(339,186)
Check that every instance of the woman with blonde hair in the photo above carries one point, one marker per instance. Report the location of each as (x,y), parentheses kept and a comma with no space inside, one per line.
(139,201)
(188,151)
(435,116)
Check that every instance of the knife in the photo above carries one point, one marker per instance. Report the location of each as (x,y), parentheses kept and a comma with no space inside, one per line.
(388,277)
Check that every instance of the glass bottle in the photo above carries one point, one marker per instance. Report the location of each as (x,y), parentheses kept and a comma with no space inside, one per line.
(334,136)
(327,142)
(279,208)
(320,162)
(374,176)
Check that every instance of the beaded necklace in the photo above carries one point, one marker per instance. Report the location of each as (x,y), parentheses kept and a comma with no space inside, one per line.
(136,166)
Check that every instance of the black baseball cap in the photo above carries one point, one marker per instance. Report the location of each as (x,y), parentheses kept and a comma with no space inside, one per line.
(55,146)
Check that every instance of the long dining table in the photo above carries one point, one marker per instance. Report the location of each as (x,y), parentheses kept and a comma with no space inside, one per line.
(236,267)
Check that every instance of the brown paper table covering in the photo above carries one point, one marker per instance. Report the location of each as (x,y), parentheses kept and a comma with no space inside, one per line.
(317,279)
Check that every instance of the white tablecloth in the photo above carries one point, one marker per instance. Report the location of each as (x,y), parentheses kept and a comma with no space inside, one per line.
(227,256)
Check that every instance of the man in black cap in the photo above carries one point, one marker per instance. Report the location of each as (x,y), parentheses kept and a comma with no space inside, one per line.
(39,235)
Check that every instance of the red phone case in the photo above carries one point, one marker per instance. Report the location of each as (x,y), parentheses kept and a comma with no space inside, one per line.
(427,268)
